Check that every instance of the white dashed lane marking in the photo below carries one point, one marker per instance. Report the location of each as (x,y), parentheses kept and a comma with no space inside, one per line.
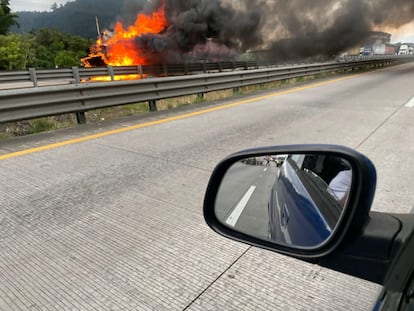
(234,216)
(410,103)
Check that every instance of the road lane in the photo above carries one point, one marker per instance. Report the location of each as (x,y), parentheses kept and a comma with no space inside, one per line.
(255,217)
(238,179)
(242,200)
(115,222)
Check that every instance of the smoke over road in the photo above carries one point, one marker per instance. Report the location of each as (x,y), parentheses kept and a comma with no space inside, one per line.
(324,27)
(294,29)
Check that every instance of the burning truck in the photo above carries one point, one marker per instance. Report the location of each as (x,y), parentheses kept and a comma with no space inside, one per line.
(173,32)
(121,47)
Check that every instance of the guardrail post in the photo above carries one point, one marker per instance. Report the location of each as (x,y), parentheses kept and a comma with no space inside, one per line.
(140,71)
(200,96)
(33,77)
(81,117)
(152,105)
(75,73)
(111,72)
(165,69)
(220,66)
(186,68)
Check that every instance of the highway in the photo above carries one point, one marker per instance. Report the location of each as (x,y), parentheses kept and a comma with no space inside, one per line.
(109,216)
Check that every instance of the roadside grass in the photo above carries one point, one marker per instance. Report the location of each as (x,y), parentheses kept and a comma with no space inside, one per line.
(38,125)
(43,125)
(100,115)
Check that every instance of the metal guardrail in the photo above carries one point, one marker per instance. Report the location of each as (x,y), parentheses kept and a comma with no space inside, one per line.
(21,104)
(78,74)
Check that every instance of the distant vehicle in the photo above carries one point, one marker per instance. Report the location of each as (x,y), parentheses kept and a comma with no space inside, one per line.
(367,52)
(252,161)
(403,50)
(279,159)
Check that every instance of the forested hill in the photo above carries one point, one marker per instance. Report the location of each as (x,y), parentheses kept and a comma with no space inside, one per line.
(76,17)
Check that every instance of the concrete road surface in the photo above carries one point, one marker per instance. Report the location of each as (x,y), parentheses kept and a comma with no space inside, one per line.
(109,217)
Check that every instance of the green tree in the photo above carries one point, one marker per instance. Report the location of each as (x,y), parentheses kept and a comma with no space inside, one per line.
(44,58)
(7,19)
(54,48)
(65,59)
(46,48)
(76,43)
(15,50)
(47,37)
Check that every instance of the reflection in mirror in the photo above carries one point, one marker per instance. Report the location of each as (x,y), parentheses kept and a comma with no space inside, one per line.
(294,199)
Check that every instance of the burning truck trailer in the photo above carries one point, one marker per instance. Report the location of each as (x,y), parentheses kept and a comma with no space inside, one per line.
(98,57)
(202,58)
(118,47)
(104,53)
(194,33)
(136,46)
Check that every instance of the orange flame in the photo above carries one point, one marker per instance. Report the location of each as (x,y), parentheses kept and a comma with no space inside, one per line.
(119,48)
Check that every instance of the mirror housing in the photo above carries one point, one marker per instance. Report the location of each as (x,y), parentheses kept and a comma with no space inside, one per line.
(352,220)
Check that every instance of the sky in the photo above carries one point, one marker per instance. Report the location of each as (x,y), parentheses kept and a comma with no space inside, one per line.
(33,5)
(403,34)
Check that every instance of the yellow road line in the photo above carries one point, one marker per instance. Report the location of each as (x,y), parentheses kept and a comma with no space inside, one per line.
(179,117)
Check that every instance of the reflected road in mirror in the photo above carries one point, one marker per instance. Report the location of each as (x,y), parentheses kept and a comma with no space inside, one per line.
(295,199)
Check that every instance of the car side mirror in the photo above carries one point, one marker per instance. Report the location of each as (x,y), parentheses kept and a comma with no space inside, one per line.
(301,200)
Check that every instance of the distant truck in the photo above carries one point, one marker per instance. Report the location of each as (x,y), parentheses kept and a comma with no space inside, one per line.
(383,49)
(405,49)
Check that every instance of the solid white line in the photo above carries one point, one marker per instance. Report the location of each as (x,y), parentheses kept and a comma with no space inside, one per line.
(265,169)
(410,103)
(234,216)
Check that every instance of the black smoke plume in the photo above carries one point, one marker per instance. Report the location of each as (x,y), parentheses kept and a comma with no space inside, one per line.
(327,28)
(287,30)
(202,29)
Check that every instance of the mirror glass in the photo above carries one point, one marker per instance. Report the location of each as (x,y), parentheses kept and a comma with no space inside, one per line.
(292,199)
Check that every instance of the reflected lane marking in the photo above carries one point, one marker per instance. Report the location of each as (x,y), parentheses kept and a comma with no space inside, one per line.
(175,118)
(410,103)
(234,216)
